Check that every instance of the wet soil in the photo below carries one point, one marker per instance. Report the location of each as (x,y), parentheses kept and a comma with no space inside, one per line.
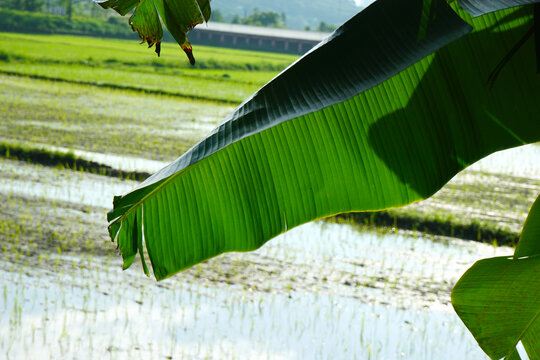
(36,229)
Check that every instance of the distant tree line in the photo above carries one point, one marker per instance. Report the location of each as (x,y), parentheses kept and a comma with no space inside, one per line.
(266,19)
(323,27)
(42,23)
(67,8)
(25,5)
(257,18)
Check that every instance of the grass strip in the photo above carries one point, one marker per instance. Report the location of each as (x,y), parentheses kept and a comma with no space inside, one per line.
(65,160)
(388,219)
(120,87)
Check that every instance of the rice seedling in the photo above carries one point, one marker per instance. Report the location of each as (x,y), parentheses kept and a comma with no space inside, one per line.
(93,111)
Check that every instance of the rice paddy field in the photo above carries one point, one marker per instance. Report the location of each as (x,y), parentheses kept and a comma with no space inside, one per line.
(339,289)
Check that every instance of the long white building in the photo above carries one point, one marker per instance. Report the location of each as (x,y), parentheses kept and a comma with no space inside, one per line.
(255,37)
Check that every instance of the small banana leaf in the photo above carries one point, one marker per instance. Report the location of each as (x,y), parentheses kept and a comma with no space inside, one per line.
(529,242)
(179,16)
(498,299)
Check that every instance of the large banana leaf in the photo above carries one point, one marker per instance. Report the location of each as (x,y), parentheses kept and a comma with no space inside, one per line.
(481,7)
(179,16)
(498,299)
(381,114)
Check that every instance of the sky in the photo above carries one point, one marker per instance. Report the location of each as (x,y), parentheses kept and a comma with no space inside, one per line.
(363,3)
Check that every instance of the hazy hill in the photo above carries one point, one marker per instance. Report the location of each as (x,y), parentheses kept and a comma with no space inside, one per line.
(299,13)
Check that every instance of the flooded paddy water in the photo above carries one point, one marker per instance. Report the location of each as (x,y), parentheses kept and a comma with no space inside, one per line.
(319,291)
(323,290)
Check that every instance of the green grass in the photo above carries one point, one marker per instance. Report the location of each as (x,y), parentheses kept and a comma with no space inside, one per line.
(224,75)
(66,48)
(193,87)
